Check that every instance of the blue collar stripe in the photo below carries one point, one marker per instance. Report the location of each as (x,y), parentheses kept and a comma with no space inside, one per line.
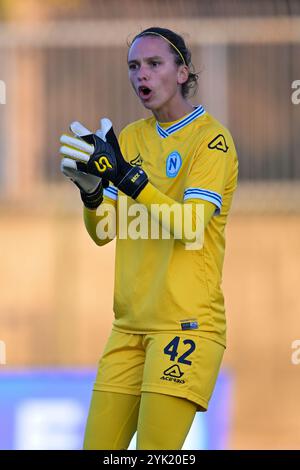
(180,125)
(184,122)
(161,131)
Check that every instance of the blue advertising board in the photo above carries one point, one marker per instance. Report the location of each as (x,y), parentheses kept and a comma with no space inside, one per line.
(47,409)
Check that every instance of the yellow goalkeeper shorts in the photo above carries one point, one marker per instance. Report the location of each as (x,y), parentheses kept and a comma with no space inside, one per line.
(170,363)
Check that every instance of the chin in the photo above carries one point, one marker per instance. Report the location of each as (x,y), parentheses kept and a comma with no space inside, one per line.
(153,106)
(149,106)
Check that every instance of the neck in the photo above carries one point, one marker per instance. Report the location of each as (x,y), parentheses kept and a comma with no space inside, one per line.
(173,111)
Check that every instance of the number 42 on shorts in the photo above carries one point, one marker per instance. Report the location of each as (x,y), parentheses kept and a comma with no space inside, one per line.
(172,350)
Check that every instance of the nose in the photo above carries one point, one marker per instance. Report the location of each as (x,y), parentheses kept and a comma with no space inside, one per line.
(143,73)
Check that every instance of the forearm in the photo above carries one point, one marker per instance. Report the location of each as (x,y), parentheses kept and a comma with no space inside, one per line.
(186,221)
(100,223)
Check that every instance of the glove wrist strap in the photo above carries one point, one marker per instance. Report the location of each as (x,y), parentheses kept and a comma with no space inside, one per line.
(133,182)
(94,199)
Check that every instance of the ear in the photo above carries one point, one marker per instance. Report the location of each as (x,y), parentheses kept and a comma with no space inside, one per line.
(182,74)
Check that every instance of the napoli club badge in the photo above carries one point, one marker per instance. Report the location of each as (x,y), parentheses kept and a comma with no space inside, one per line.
(173,164)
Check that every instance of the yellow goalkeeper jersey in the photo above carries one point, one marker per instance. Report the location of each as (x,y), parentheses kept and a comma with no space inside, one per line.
(159,284)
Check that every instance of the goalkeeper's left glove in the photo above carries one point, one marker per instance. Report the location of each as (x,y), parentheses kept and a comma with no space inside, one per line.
(106,160)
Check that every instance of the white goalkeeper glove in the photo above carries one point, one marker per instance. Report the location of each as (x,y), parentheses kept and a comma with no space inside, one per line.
(91,186)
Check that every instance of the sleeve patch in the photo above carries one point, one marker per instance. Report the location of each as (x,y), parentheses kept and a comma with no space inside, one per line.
(219,143)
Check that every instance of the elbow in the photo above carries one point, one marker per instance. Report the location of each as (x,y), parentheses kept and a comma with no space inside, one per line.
(100,242)
(193,239)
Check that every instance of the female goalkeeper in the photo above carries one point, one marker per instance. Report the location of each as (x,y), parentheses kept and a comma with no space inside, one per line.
(178,169)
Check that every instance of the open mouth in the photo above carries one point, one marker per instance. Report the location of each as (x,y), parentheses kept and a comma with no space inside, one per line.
(144,92)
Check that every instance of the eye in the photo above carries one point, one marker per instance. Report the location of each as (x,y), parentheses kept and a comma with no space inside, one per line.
(132,66)
(154,63)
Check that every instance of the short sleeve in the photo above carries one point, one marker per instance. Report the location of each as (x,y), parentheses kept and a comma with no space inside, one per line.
(211,167)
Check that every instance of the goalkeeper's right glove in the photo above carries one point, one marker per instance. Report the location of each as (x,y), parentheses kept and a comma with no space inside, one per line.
(104,159)
(90,186)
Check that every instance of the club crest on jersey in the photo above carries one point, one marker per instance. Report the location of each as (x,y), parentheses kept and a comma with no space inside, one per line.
(173,164)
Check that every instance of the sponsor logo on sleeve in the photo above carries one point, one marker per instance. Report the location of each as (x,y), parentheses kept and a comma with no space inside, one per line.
(219,143)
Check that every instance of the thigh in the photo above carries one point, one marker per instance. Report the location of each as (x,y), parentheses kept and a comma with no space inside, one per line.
(182,365)
(121,365)
(112,421)
(164,421)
